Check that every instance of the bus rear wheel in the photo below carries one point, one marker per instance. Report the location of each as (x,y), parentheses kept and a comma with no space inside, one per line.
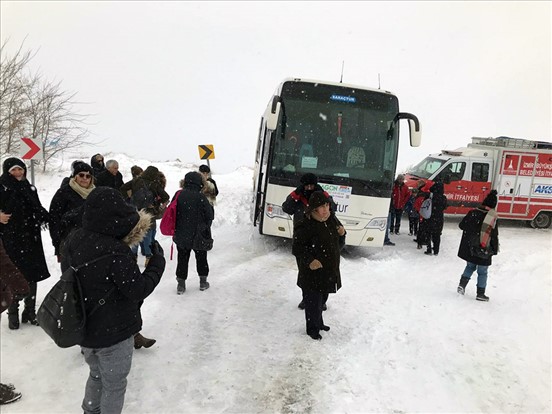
(541,221)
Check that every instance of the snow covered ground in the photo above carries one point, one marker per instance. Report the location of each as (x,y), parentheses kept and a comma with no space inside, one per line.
(402,339)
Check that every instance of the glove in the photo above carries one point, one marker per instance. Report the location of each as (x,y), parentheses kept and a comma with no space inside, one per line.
(315,265)
(156,248)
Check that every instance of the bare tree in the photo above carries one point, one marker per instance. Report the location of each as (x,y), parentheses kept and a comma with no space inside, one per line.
(13,107)
(36,108)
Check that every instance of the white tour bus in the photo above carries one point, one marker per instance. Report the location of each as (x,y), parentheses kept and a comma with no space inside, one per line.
(346,135)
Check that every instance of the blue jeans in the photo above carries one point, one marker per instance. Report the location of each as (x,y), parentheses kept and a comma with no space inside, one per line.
(106,385)
(146,243)
(481,273)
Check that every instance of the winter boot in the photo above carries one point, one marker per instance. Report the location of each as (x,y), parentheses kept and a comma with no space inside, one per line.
(462,285)
(29,313)
(8,394)
(181,288)
(203,284)
(481,295)
(141,341)
(13,315)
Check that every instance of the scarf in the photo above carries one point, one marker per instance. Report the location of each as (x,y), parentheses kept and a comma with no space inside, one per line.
(83,192)
(487,226)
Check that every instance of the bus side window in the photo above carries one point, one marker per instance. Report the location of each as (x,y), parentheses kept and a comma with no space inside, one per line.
(480,172)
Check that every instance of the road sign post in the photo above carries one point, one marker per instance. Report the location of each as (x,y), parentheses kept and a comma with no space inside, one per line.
(31,149)
(206,152)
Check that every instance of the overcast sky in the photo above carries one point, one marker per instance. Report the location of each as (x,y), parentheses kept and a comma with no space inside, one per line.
(164,77)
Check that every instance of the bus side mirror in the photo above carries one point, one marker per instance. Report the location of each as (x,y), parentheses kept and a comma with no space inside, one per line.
(415,133)
(273,114)
(414,126)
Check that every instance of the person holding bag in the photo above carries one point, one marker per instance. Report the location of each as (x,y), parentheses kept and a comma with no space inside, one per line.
(194,215)
(479,243)
(111,226)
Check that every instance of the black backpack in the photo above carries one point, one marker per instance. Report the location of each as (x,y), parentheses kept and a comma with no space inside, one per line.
(143,198)
(62,314)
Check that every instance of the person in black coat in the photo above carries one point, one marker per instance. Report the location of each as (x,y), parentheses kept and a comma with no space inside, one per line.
(317,251)
(150,182)
(434,224)
(297,202)
(110,177)
(478,244)
(65,207)
(97,163)
(109,227)
(22,217)
(194,215)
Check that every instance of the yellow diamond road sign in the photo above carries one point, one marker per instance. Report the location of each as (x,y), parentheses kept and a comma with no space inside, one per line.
(206,152)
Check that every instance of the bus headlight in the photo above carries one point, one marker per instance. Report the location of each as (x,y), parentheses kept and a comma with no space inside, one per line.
(273,211)
(377,223)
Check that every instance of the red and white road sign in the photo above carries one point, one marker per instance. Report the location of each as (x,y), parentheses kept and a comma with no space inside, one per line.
(31,148)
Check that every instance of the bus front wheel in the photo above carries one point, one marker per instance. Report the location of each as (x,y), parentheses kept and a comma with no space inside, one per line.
(541,221)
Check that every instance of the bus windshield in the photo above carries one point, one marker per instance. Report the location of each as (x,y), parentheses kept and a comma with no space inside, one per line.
(427,167)
(341,134)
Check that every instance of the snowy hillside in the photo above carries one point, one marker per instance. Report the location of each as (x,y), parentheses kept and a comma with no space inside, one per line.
(402,340)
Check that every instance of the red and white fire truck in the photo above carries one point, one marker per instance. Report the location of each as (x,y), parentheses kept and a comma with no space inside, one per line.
(519,169)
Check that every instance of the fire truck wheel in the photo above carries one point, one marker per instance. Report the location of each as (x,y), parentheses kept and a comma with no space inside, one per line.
(541,221)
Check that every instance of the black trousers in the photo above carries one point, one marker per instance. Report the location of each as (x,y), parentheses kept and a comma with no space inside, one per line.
(435,239)
(413,225)
(184,257)
(313,310)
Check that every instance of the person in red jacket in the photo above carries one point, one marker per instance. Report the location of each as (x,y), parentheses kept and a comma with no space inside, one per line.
(400,196)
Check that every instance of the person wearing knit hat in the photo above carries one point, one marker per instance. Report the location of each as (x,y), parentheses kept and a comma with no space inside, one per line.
(316,247)
(297,202)
(109,227)
(22,217)
(80,167)
(479,244)
(65,207)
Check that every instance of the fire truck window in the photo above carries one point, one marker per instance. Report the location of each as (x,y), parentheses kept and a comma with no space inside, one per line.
(480,172)
(453,172)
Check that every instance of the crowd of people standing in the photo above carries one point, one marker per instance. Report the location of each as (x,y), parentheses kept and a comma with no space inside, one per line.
(93,220)
(95,216)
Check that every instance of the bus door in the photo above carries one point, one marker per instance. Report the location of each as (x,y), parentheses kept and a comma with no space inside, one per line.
(259,184)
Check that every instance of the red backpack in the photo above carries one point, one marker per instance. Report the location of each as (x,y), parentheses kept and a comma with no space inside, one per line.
(168,221)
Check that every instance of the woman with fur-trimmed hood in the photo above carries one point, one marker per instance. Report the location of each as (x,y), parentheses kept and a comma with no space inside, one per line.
(111,226)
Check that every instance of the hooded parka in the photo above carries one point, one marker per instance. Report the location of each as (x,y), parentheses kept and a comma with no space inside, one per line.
(109,226)
(194,213)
